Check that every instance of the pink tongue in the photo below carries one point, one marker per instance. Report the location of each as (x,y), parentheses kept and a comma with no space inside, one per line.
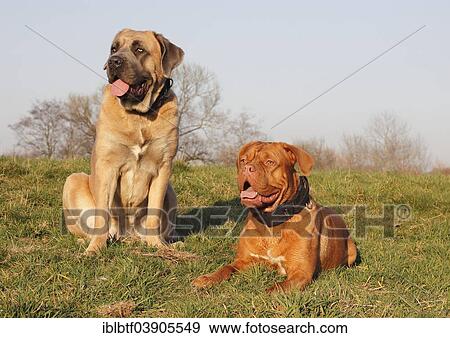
(119,88)
(249,193)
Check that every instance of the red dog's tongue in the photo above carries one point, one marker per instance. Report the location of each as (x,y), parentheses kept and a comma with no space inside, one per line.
(251,199)
(249,193)
(119,88)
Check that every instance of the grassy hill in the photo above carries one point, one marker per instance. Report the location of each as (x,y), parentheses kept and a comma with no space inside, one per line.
(42,272)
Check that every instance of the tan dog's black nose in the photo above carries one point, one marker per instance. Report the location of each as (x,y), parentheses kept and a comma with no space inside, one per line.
(115,61)
(249,168)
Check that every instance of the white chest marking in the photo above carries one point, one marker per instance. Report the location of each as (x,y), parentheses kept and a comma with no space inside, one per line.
(138,150)
(272,260)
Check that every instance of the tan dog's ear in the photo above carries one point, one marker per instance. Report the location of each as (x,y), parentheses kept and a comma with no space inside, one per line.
(171,55)
(300,156)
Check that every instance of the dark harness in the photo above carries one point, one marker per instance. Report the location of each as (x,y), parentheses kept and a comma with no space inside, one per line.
(286,210)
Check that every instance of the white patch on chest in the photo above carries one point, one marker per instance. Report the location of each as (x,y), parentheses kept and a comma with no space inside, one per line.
(138,151)
(134,178)
(272,260)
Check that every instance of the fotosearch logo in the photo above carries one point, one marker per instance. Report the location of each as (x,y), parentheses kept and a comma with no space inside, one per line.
(218,219)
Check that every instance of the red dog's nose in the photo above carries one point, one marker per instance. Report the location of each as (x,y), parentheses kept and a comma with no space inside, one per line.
(249,168)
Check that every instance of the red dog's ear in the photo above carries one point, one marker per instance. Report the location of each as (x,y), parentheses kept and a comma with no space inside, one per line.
(300,156)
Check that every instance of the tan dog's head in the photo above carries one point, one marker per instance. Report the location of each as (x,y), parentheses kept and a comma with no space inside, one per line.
(138,65)
(267,175)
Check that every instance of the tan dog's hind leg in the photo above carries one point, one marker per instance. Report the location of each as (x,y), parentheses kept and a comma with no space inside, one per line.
(77,198)
(104,190)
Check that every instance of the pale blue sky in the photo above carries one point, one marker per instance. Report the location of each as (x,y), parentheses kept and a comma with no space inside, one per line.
(270,58)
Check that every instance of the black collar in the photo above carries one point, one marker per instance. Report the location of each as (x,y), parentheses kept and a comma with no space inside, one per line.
(163,94)
(286,210)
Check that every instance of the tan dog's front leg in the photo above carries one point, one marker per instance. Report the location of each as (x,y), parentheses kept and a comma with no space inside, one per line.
(104,189)
(151,229)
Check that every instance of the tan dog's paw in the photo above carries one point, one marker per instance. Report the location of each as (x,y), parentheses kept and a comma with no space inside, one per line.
(203,281)
(177,245)
(154,241)
(95,245)
(90,253)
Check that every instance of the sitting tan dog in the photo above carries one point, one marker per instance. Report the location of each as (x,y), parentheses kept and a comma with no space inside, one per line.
(136,141)
(285,228)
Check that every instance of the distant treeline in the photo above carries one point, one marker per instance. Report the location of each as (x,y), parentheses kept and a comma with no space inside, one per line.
(208,134)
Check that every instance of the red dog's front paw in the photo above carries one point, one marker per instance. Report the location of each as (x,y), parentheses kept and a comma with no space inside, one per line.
(203,281)
(277,287)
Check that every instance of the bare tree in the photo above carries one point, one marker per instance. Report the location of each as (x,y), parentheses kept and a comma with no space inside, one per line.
(80,114)
(40,133)
(440,168)
(63,129)
(207,134)
(193,148)
(355,152)
(324,156)
(393,147)
(388,145)
(198,95)
(237,132)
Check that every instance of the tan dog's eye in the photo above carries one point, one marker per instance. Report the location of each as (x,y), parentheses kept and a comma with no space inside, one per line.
(113,50)
(270,162)
(139,50)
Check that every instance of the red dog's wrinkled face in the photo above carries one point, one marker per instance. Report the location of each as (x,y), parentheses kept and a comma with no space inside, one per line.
(267,175)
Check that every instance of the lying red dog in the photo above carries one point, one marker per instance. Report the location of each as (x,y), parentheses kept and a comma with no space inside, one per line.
(285,228)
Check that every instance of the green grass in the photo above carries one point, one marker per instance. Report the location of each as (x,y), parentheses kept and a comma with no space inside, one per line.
(42,272)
